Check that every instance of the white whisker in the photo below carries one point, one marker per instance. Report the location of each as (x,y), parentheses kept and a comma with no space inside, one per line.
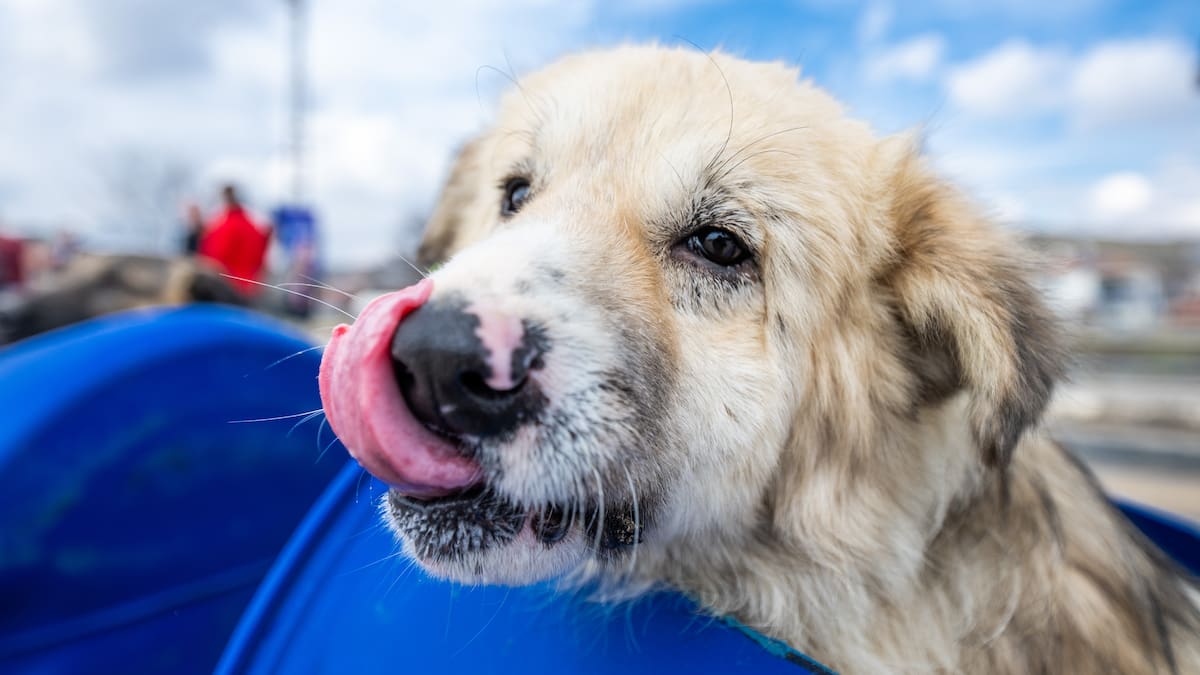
(302,421)
(322,287)
(280,417)
(358,486)
(485,625)
(288,290)
(391,556)
(327,447)
(292,356)
(317,283)
(600,492)
(314,280)
(637,524)
(320,429)
(424,274)
(409,566)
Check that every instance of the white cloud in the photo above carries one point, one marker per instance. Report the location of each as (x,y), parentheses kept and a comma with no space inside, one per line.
(1008,208)
(874,21)
(395,97)
(1062,132)
(651,7)
(1161,203)
(1119,82)
(1061,186)
(1020,9)
(1005,179)
(1178,178)
(52,34)
(1146,80)
(1015,78)
(1164,202)
(915,59)
(393,91)
(1120,195)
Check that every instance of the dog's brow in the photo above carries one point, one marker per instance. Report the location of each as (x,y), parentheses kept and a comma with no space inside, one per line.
(711,206)
(708,207)
(522,168)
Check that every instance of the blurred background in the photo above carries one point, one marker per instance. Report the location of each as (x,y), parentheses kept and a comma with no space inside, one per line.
(123,125)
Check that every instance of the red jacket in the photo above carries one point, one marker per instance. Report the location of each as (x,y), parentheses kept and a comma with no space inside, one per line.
(240,246)
(11,271)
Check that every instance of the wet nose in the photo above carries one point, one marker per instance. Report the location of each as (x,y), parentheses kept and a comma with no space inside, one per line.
(466,372)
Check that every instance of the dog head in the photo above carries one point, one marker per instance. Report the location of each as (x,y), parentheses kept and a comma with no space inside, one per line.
(674,290)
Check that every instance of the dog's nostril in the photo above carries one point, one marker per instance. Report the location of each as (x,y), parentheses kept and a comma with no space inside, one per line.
(417,393)
(459,384)
(404,376)
(475,384)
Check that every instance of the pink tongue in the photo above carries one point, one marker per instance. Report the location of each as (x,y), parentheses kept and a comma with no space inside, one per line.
(366,411)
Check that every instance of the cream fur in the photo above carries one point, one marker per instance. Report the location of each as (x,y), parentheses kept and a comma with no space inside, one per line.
(845,452)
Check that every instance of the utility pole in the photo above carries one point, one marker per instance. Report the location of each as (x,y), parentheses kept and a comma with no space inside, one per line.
(296,100)
(294,221)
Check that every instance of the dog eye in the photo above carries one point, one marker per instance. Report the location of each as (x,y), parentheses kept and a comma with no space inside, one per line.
(718,246)
(516,191)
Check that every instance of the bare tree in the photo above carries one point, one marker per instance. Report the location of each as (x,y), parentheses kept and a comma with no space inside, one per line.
(142,197)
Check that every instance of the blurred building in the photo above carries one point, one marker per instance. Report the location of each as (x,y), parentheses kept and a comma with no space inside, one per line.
(1120,285)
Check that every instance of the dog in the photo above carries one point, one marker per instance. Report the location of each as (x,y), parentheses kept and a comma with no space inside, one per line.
(691,327)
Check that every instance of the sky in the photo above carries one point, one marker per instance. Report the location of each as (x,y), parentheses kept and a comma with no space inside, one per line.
(1062,116)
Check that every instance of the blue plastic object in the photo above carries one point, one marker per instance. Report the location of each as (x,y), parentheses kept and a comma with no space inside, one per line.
(135,519)
(1176,537)
(342,599)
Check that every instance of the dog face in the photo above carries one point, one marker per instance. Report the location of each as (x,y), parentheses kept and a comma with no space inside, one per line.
(683,303)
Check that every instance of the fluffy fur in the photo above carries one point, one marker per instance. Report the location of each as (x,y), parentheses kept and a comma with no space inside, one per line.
(836,443)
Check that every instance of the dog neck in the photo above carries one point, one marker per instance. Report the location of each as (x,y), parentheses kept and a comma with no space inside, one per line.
(948,567)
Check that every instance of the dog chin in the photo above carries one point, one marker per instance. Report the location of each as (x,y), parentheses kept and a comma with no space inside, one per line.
(521,562)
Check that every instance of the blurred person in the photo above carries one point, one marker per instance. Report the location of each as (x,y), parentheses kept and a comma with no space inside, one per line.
(12,266)
(234,241)
(193,220)
(37,263)
(12,277)
(295,228)
(63,248)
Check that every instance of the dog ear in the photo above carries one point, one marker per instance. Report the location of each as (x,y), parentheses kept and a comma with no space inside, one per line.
(456,199)
(961,289)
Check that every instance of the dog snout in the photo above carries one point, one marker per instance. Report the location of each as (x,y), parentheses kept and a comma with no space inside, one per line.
(467,372)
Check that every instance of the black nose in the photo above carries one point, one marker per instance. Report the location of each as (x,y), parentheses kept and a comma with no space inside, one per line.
(442,368)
